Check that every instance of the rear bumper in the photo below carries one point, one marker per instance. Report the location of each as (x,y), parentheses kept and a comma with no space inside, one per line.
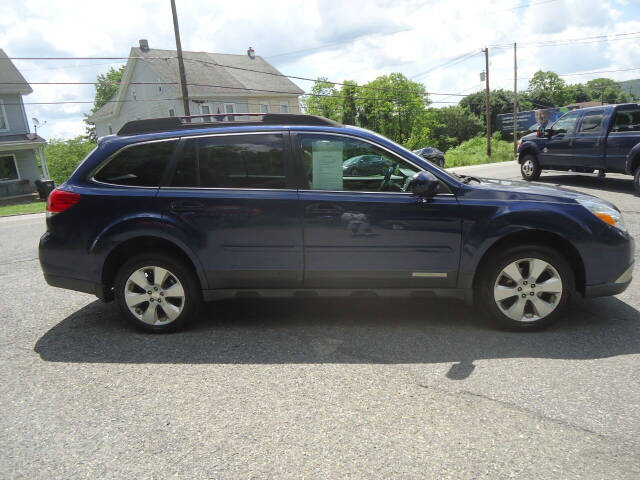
(613,288)
(75,284)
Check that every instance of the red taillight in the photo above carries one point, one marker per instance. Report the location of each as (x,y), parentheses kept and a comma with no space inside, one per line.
(60,200)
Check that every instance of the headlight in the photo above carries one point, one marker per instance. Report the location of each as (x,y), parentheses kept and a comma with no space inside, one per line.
(604,212)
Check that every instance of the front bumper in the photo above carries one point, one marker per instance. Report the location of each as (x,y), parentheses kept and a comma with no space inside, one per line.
(612,288)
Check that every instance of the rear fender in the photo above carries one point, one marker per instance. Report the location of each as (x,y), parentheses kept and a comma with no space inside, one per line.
(146,225)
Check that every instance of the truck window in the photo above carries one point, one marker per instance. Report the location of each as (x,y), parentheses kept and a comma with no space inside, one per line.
(566,123)
(627,121)
(592,121)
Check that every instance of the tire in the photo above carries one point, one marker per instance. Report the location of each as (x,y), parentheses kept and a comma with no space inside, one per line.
(636,180)
(530,168)
(175,300)
(544,302)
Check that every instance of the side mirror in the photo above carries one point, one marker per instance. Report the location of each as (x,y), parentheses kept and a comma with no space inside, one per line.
(424,184)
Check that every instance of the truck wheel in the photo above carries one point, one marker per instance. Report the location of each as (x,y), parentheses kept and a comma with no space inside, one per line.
(157,292)
(530,168)
(636,180)
(525,287)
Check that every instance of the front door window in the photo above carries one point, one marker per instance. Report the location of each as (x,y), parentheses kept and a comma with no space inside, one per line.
(346,164)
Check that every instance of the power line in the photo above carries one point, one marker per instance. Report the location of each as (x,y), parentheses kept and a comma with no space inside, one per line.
(524,5)
(570,41)
(230,87)
(449,63)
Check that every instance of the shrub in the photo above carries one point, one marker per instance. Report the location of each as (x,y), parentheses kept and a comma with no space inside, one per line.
(474,152)
(63,156)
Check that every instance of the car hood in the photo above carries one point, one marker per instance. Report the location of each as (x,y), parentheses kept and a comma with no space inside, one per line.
(517,190)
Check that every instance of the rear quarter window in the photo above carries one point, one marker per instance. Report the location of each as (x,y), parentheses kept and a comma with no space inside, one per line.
(138,165)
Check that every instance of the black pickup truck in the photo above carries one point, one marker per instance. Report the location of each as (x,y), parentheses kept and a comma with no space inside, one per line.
(605,138)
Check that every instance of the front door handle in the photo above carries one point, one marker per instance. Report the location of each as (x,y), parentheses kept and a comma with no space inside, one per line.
(186,206)
(324,210)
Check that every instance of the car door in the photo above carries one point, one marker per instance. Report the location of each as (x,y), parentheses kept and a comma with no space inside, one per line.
(588,145)
(362,229)
(558,151)
(234,197)
(623,136)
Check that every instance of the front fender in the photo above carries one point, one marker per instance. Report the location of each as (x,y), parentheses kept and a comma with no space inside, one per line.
(141,225)
(481,231)
(633,160)
(527,147)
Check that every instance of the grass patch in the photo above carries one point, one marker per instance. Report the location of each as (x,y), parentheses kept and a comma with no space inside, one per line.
(23,208)
(474,152)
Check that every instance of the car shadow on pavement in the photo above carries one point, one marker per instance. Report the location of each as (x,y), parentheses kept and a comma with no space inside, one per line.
(270,331)
(609,184)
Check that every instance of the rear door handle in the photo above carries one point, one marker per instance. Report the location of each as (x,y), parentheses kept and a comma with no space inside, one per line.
(187,206)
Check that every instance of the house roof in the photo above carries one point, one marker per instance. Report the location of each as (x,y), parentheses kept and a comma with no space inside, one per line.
(21,141)
(213,75)
(9,74)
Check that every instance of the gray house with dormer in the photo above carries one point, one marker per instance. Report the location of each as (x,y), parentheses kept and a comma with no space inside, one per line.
(19,148)
(217,84)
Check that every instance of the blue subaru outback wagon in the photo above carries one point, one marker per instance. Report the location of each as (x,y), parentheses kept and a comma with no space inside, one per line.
(171,212)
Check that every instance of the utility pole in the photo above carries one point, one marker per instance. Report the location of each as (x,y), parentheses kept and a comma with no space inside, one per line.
(515,99)
(183,78)
(488,95)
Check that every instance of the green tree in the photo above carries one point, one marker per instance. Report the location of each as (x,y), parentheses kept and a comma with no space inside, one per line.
(106,87)
(578,93)
(450,126)
(547,89)
(349,109)
(63,156)
(392,105)
(607,90)
(324,100)
(501,102)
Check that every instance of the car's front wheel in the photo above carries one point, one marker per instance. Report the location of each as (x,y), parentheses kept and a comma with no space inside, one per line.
(530,168)
(525,287)
(157,292)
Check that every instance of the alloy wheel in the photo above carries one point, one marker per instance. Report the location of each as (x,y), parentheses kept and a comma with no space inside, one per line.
(528,168)
(154,295)
(528,289)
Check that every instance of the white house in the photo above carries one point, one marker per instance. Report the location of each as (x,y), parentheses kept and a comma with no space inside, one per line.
(217,83)
(18,147)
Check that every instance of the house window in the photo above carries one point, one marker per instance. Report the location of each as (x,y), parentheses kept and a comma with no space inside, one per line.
(230,108)
(205,109)
(4,123)
(172,112)
(8,168)
(264,107)
(284,107)
(110,129)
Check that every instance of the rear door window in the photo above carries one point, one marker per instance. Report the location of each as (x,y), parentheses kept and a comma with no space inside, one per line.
(254,161)
(592,121)
(138,165)
(627,121)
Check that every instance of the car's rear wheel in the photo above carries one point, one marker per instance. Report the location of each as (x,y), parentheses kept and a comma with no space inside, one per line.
(530,168)
(157,293)
(636,180)
(525,287)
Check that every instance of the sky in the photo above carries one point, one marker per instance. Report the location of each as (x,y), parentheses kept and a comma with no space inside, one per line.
(337,39)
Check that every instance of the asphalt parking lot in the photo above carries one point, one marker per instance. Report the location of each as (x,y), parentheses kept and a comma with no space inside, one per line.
(357,388)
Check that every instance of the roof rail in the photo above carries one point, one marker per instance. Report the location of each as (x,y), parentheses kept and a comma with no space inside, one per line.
(221,120)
